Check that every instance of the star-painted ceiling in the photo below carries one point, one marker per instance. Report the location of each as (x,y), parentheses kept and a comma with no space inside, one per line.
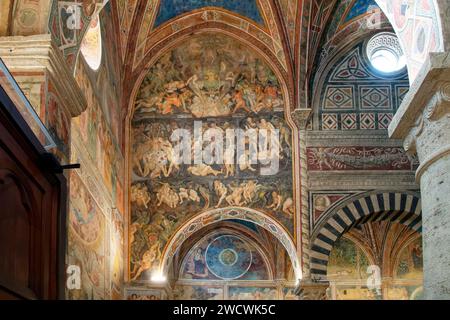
(360,7)
(169,9)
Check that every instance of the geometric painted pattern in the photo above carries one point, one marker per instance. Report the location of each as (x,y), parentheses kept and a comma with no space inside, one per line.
(384,120)
(375,98)
(350,69)
(367,121)
(330,121)
(339,98)
(401,93)
(403,208)
(348,121)
(355,96)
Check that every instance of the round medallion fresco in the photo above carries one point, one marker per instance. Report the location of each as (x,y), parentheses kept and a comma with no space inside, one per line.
(228,257)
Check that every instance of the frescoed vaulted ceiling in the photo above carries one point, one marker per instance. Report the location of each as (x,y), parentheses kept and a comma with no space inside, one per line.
(291,30)
(146,27)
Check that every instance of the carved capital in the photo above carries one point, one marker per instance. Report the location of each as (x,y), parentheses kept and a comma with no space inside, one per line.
(427,123)
(439,104)
(301,117)
(40,54)
(310,290)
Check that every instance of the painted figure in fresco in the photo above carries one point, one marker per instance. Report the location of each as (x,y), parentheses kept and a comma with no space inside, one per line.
(148,104)
(239,101)
(288,206)
(277,199)
(134,227)
(235,198)
(84,217)
(188,194)
(221,192)
(241,193)
(229,166)
(285,133)
(245,162)
(250,124)
(169,102)
(202,170)
(206,102)
(140,195)
(200,269)
(148,260)
(167,195)
(249,191)
(268,130)
(416,254)
(155,157)
(271,96)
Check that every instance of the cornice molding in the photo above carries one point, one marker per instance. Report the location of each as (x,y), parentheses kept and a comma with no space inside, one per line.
(368,180)
(375,138)
(39,53)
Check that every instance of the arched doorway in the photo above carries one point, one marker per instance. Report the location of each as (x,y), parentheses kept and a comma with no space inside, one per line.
(403,208)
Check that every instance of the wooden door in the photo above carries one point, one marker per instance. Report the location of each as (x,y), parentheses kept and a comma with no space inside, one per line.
(30,215)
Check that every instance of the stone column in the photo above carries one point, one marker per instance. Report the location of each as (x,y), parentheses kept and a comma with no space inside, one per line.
(423,122)
(309,290)
(300,118)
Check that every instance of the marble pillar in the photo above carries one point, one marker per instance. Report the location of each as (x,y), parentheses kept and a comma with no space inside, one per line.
(423,122)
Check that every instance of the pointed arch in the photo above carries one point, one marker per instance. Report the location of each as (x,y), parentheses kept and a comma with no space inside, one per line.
(207,218)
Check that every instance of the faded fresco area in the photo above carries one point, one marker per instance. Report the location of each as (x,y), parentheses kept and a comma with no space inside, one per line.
(348,270)
(347,261)
(227,86)
(96,224)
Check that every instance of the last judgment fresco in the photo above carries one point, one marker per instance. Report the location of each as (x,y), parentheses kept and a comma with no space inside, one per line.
(202,96)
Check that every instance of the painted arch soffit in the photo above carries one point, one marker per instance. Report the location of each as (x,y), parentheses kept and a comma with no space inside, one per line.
(213,216)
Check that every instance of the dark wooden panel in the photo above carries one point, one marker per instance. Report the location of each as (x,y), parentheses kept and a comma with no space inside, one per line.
(31,253)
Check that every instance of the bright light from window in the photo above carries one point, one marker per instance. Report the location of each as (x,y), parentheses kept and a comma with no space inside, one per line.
(91,46)
(385,53)
(386,61)
(158,277)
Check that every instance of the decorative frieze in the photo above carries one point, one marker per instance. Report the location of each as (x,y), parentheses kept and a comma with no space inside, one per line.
(351,180)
